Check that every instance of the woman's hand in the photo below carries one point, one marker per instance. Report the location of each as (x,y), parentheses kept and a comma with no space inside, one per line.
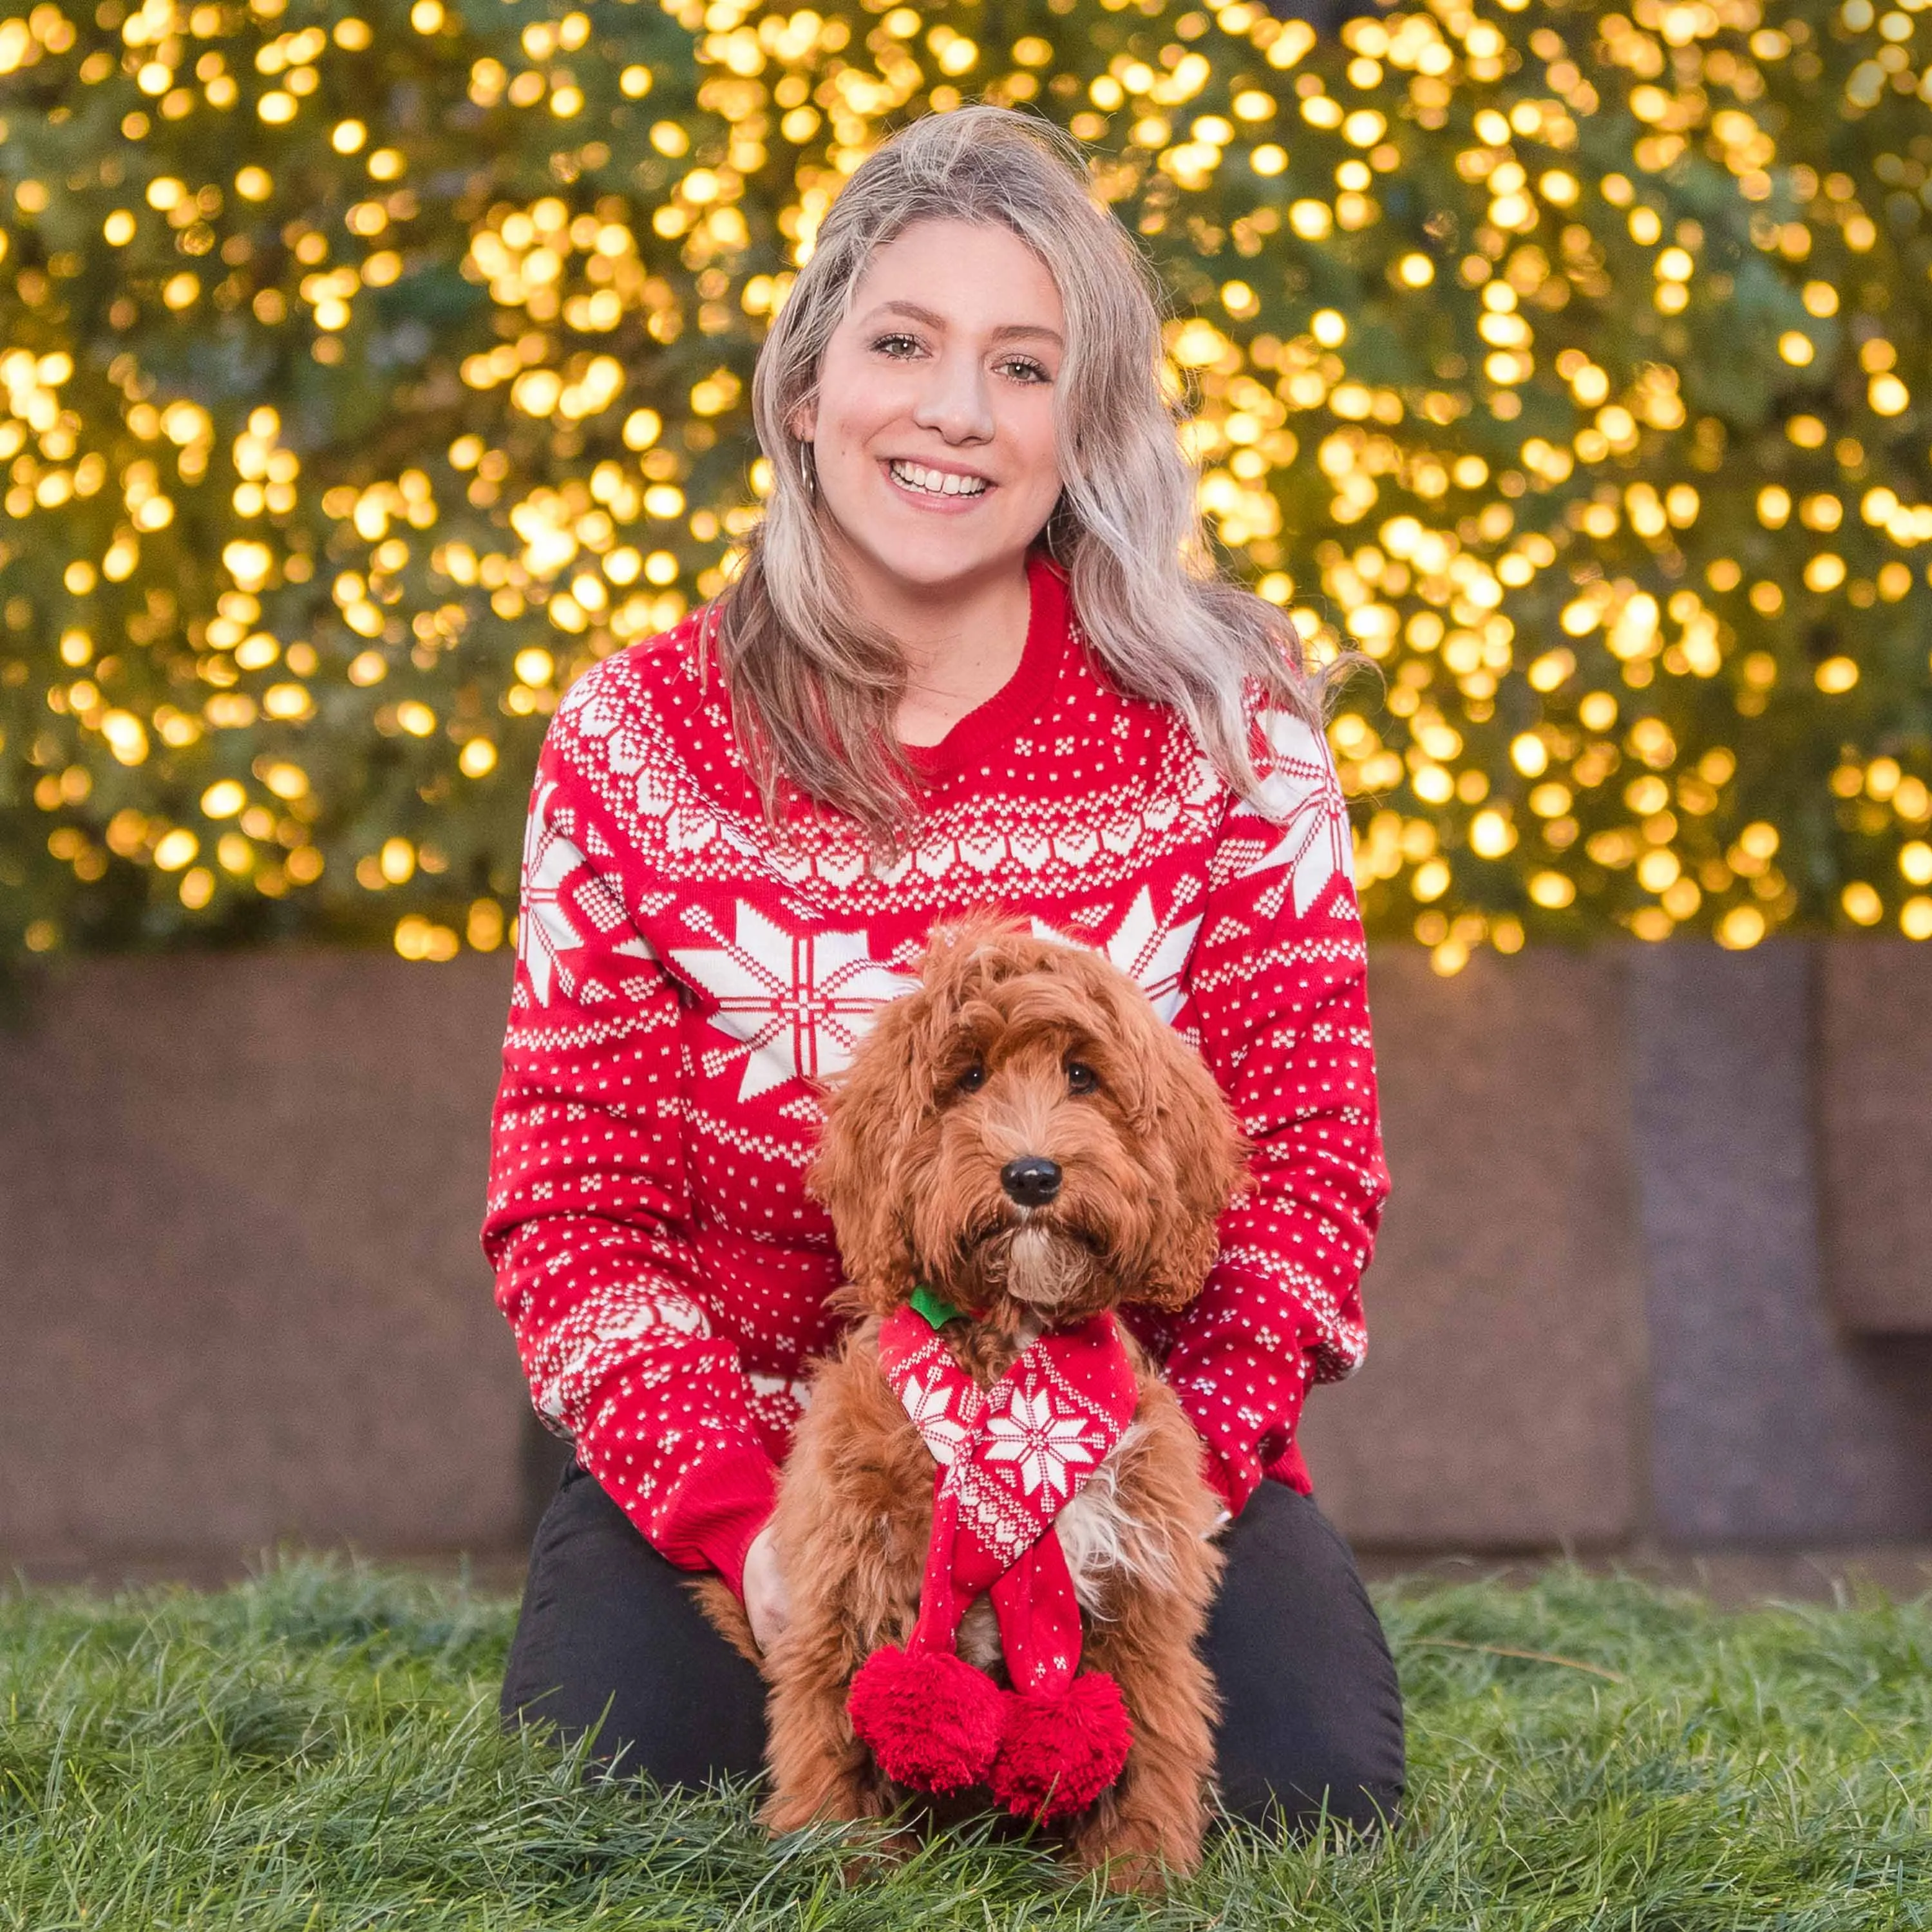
(767,1602)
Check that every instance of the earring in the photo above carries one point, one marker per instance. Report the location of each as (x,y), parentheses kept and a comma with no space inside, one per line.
(1052,550)
(804,471)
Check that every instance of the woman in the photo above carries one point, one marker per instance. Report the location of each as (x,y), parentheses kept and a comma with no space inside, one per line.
(976,656)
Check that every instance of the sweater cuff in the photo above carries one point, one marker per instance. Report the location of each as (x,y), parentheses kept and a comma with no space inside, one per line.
(1229,1490)
(739,1490)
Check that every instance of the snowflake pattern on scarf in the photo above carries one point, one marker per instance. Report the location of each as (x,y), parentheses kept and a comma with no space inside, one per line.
(1012,1455)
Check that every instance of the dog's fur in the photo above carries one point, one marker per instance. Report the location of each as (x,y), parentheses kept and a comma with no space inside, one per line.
(909,1169)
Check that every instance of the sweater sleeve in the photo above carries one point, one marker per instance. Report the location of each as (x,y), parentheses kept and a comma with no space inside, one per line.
(588,1223)
(1278,987)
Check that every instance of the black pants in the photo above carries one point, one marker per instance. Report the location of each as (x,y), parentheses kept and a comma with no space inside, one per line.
(1313,1713)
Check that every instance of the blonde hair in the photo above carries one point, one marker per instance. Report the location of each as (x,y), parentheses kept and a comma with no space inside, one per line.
(814,686)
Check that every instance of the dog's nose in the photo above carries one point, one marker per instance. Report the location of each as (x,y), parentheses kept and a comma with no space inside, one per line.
(1032,1180)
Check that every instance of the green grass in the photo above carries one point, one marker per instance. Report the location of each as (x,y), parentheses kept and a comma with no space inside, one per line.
(318,1748)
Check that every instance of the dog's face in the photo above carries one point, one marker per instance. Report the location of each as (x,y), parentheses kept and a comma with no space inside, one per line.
(1024,1133)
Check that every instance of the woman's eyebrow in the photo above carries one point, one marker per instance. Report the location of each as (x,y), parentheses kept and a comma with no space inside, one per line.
(1007,332)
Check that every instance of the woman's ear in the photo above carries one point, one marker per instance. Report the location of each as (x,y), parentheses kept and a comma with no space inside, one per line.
(803,423)
(873,1110)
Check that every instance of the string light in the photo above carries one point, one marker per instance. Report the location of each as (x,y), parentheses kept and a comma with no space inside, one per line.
(383,377)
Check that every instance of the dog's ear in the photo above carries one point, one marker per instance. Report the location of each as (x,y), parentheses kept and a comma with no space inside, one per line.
(1187,1117)
(874,1109)
(881,1107)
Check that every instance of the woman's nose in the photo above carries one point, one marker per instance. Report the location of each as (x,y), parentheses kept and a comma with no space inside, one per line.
(954,401)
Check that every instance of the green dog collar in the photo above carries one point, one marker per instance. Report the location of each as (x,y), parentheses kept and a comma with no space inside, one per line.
(929,1308)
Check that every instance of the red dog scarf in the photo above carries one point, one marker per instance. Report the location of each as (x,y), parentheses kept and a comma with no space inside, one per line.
(1010,1458)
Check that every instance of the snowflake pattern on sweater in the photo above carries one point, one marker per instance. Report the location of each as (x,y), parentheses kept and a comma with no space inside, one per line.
(687,971)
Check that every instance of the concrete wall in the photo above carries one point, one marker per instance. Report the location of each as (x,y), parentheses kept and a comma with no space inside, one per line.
(1875,1036)
(1502,1400)
(1654,1268)
(1775,1417)
(239,1281)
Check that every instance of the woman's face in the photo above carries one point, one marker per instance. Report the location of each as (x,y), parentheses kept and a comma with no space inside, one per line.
(933,429)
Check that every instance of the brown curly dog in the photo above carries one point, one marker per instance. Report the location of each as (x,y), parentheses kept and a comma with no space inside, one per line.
(1024,1135)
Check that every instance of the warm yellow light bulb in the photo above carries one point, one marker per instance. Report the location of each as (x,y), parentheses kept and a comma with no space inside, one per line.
(1491,834)
(1740,928)
(174,849)
(1861,904)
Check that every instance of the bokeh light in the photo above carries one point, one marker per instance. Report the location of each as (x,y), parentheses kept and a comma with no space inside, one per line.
(368,374)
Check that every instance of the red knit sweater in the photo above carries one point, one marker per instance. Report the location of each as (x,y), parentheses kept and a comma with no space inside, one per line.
(684,971)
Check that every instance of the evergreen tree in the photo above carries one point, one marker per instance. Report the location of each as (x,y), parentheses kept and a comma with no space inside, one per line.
(369,372)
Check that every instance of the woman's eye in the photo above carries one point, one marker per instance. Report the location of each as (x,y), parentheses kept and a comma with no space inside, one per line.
(1027,371)
(1080,1078)
(973,1079)
(898,346)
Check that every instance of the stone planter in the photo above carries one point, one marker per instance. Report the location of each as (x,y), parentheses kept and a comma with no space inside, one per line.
(1655,1268)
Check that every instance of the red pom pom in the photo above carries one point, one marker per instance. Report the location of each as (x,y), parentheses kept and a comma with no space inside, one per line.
(1057,1754)
(932,1720)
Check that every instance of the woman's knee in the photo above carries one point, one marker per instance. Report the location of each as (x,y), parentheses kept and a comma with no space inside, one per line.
(1312,1724)
(610,1645)
(1349,1791)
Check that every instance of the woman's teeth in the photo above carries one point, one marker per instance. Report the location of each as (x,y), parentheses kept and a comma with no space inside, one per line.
(937,482)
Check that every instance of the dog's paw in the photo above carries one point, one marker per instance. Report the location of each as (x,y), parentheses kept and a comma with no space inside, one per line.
(837,1799)
(726,1616)
(875,1860)
(1138,1854)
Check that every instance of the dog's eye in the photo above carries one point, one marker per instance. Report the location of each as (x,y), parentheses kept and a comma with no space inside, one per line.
(1080,1078)
(973,1079)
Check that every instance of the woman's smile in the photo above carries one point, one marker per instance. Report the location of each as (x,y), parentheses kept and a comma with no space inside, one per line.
(936,487)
